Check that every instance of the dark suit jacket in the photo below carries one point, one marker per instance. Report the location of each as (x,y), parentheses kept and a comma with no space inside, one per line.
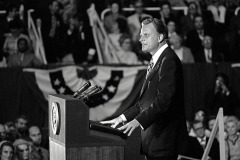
(199,56)
(195,150)
(161,108)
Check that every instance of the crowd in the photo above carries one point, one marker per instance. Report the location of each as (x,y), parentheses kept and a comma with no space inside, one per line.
(18,141)
(208,33)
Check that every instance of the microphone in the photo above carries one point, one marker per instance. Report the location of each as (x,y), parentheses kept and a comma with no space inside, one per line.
(83,94)
(92,92)
(82,89)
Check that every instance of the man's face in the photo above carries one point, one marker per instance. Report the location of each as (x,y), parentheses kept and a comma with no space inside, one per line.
(149,38)
(23,151)
(165,10)
(115,8)
(139,7)
(35,135)
(199,129)
(21,123)
(22,46)
(207,42)
(211,124)
(198,23)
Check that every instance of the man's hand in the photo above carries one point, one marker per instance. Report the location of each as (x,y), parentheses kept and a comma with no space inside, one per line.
(114,122)
(129,127)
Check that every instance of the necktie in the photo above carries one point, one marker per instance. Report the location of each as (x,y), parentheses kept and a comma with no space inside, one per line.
(150,67)
(203,143)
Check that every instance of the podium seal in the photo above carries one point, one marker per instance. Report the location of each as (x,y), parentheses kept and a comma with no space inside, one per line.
(55,118)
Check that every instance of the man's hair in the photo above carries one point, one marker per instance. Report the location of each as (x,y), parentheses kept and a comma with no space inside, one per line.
(21,117)
(165,3)
(158,25)
(196,122)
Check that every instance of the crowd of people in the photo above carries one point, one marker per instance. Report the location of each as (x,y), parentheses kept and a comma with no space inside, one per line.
(208,33)
(18,141)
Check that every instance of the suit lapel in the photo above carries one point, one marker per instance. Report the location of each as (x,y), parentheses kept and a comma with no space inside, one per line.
(153,71)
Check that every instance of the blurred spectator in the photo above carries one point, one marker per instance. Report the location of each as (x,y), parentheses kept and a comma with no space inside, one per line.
(69,8)
(134,21)
(119,27)
(21,126)
(114,14)
(125,54)
(208,54)
(218,10)
(171,26)
(200,115)
(222,95)
(6,151)
(2,133)
(80,41)
(36,136)
(10,44)
(183,52)
(199,129)
(166,12)
(22,149)
(54,32)
(195,36)
(233,138)
(11,13)
(235,37)
(10,131)
(23,57)
(187,21)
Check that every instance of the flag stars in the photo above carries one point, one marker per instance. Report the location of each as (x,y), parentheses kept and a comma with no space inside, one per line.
(111,89)
(105,97)
(56,82)
(62,89)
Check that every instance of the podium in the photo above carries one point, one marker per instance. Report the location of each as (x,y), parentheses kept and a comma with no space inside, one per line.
(71,138)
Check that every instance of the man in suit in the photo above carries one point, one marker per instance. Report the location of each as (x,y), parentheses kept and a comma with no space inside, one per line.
(160,108)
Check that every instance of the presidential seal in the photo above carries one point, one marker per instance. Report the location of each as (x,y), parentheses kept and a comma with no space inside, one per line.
(55,118)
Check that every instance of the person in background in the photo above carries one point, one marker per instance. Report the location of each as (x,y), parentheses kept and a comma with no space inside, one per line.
(10,44)
(22,149)
(208,54)
(125,54)
(171,26)
(183,52)
(134,21)
(23,57)
(36,136)
(221,95)
(21,126)
(115,14)
(2,133)
(166,13)
(10,131)
(159,111)
(233,138)
(6,151)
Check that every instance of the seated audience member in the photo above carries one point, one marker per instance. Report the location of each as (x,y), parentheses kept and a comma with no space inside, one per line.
(119,28)
(2,133)
(10,44)
(22,149)
(111,18)
(196,36)
(199,129)
(134,21)
(79,39)
(232,146)
(36,136)
(171,26)
(183,52)
(166,13)
(208,54)
(200,115)
(187,21)
(125,54)
(21,126)
(221,95)
(23,57)
(10,131)
(6,151)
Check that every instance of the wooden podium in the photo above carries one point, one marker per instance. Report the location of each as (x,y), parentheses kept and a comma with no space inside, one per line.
(71,138)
